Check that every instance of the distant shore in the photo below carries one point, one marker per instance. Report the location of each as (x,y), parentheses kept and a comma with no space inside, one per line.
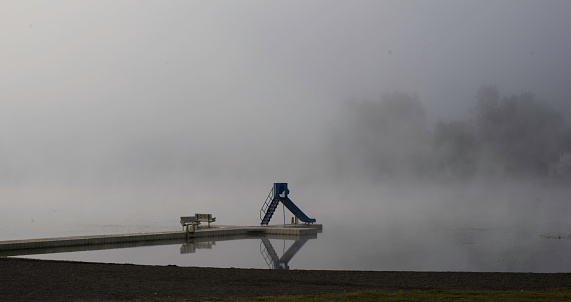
(45,280)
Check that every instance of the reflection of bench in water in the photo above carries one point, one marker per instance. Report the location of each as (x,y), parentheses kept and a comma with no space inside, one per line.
(190,247)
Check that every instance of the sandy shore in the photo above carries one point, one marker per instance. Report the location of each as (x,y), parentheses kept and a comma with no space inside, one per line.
(42,280)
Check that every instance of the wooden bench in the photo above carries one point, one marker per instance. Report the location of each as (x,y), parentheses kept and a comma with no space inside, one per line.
(187,221)
(205,218)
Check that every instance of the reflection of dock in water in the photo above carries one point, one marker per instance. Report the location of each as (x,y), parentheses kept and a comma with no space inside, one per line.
(190,245)
(266,248)
(84,248)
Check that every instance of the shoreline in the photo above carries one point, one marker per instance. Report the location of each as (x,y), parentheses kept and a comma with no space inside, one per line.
(26,279)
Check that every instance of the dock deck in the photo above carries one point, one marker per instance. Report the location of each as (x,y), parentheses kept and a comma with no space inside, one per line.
(290,230)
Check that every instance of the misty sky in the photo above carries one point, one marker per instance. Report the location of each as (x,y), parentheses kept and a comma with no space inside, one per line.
(104,87)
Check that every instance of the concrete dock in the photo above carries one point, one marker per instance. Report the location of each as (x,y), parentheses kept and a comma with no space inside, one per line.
(39,246)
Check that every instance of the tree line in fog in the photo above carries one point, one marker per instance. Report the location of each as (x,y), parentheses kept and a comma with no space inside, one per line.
(516,135)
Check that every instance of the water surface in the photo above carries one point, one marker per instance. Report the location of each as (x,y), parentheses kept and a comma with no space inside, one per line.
(496,228)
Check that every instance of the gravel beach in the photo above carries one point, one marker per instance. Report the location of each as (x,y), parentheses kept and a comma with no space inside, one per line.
(44,280)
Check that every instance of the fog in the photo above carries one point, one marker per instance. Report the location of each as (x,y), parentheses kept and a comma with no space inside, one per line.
(137,112)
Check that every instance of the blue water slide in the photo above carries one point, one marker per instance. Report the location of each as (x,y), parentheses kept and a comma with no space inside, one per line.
(296,211)
(279,193)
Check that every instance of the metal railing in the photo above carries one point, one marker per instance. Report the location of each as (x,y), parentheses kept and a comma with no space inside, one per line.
(267,203)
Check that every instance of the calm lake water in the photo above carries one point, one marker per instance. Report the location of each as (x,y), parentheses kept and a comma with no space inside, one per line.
(462,229)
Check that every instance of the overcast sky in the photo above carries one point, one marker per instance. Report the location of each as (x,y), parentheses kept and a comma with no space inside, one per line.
(91,84)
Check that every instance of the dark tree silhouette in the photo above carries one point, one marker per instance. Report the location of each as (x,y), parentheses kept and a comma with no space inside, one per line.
(524,133)
(454,148)
(388,137)
(516,134)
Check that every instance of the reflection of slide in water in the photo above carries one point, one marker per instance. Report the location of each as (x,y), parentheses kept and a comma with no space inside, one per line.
(268,252)
(271,257)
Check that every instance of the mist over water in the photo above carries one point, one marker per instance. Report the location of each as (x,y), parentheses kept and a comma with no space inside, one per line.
(122,117)
(423,227)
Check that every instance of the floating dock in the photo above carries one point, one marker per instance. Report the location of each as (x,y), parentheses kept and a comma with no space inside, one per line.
(33,246)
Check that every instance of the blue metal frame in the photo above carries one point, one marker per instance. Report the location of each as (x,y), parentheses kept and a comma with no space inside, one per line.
(280,193)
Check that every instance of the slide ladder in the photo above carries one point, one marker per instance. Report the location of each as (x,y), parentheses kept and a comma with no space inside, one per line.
(279,192)
(268,208)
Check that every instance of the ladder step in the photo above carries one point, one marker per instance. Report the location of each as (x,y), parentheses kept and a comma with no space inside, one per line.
(270,212)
